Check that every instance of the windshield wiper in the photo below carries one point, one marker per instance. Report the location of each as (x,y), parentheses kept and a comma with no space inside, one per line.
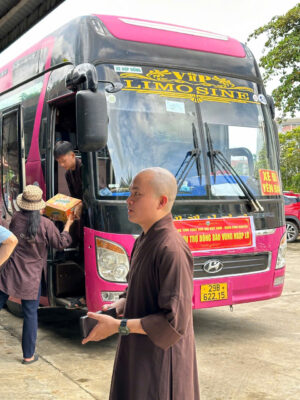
(218,156)
(196,147)
(191,157)
(210,152)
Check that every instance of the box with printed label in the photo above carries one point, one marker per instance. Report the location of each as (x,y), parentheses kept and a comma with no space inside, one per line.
(60,207)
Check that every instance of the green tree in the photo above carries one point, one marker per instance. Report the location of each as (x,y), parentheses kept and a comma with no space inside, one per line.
(290,159)
(282,58)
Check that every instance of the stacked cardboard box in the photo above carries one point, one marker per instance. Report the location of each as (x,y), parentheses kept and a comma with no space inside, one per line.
(60,207)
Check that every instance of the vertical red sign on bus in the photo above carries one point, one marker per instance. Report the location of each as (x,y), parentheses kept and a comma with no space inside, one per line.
(269,182)
(217,233)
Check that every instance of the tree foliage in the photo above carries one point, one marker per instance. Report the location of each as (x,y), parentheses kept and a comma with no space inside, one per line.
(282,58)
(290,159)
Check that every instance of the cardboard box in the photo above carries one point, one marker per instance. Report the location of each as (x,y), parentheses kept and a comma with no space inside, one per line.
(60,207)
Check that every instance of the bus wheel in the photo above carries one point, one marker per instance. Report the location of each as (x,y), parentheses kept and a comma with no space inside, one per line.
(292,231)
(15,308)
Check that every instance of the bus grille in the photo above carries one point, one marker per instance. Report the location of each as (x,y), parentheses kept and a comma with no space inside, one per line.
(233,264)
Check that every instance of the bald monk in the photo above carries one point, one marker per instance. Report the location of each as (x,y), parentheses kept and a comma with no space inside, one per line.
(156,357)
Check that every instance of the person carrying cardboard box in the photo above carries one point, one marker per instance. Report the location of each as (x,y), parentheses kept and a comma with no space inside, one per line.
(65,156)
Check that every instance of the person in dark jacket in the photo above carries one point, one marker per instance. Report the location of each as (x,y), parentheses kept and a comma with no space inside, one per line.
(65,156)
(21,275)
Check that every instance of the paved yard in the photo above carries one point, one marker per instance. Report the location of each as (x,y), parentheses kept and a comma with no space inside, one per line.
(250,354)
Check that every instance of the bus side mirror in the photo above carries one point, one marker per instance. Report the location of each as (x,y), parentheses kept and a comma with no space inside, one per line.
(91,120)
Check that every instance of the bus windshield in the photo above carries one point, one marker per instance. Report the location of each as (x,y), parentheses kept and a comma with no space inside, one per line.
(173,119)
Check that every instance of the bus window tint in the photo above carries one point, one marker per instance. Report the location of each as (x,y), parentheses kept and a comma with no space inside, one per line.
(10,160)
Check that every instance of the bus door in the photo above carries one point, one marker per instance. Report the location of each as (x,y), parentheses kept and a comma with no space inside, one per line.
(13,178)
(66,283)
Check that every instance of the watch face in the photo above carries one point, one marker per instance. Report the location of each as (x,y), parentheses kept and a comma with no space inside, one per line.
(123,328)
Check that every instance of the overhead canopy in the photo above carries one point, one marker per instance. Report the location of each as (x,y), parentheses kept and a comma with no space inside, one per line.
(18,16)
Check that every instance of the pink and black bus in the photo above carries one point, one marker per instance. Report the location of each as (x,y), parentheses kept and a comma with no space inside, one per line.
(130,94)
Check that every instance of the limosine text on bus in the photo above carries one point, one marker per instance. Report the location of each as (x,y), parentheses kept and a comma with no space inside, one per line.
(130,94)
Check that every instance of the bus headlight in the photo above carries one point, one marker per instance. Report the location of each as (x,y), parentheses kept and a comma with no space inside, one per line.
(281,252)
(112,261)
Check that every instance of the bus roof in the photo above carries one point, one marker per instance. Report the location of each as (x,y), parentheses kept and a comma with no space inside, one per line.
(78,41)
(152,32)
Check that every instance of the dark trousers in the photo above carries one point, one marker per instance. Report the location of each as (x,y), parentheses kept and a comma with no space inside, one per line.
(30,323)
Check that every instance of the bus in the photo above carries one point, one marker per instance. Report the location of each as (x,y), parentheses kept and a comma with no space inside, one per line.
(130,94)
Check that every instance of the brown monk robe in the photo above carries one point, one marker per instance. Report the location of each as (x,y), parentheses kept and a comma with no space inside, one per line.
(161,365)
(157,360)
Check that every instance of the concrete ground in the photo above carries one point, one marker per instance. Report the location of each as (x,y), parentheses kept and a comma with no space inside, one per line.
(250,354)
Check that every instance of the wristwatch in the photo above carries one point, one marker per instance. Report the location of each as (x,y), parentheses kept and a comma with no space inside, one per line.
(123,328)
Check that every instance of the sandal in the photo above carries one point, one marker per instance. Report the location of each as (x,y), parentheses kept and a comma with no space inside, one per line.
(76,302)
(35,358)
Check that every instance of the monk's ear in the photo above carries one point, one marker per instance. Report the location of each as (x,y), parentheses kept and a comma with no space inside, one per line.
(163,200)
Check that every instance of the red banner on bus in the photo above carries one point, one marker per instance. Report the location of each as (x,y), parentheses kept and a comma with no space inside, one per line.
(269,182)
(217,233)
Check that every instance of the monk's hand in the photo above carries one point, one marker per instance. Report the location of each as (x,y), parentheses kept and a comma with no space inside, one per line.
(105,327)
(119,305)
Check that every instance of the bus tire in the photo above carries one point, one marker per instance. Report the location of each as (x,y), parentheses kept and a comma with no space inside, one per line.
(292,231)
(15,308)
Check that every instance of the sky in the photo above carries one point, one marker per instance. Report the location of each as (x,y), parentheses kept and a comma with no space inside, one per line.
(234,18)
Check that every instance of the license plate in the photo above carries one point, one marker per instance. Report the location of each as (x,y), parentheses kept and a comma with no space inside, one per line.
(214,292)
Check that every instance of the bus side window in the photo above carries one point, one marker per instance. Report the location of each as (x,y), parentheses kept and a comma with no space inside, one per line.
(10,160)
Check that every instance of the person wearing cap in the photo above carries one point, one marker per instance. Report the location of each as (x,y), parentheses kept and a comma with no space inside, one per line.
(22,274)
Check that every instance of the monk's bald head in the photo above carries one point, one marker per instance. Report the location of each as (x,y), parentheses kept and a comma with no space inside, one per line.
(163,183)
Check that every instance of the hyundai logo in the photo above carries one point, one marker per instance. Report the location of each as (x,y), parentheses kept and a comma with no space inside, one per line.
(213,266)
